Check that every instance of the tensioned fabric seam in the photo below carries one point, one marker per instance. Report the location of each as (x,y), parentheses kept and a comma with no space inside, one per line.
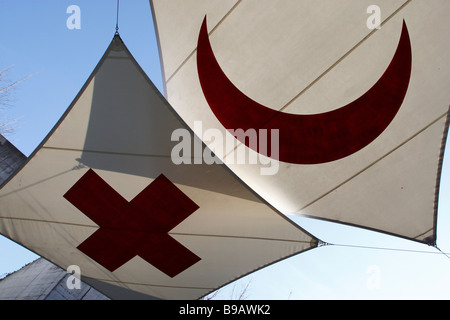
(376,161)
(171,233)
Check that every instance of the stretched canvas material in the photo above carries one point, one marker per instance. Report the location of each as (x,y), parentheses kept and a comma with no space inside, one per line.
(283,60)
(102,192)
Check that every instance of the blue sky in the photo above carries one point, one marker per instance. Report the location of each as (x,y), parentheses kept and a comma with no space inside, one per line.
(36,41)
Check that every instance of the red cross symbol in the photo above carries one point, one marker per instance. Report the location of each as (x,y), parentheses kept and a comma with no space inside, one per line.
(139,227)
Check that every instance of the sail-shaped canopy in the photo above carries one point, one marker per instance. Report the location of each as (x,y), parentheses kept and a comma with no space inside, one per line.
(361,107)
(104,192)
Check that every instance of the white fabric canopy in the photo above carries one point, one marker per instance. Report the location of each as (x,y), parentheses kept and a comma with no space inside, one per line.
(312,57)
(102,192)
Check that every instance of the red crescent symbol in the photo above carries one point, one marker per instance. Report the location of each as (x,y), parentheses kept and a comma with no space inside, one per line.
(309,139)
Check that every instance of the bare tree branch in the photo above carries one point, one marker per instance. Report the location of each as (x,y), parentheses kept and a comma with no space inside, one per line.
(7,126)
(236,293)
(244,292)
